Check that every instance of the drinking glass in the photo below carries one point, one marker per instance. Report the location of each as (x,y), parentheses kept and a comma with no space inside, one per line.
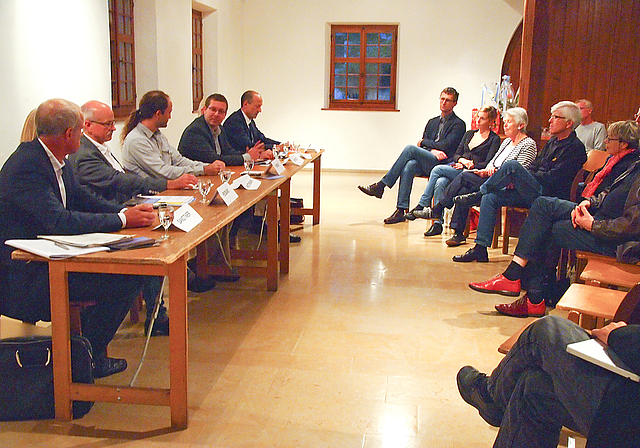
(248,165)
(165,214)
(225,175)
(296,146)
(204,187)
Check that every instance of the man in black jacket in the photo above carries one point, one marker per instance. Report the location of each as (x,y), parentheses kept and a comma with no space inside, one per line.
(539,387)
(39,195)
(551,174)
(205,139)
(242,131)
(438,144)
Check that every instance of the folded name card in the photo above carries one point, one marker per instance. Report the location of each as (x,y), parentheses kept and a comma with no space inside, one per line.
(246,182)
(186,218)
(227,194)
(297,159)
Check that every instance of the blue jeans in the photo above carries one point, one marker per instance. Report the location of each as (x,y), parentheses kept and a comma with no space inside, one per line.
(495,195)
(541,387)
(413,161)
(439,178)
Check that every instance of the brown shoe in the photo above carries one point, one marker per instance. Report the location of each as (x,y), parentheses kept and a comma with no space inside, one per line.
(398,216)
(376,189)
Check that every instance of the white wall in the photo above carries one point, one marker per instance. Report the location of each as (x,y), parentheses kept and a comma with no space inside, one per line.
(50,49)
(458,42)
(278,47)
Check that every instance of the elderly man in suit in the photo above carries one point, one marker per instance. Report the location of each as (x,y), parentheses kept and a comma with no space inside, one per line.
(39,195)
(241,128)
(438,144)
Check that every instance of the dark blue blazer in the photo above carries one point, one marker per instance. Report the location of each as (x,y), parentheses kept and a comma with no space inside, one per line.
(31,205)
(239,135)
(197,143)
(452,133)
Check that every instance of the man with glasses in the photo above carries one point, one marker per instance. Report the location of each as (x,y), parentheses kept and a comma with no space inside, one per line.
(550,174)
(438,144)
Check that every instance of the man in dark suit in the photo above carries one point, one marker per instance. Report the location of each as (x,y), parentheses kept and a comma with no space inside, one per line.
(242,132)
(39,195)
(438,144)
(205,139)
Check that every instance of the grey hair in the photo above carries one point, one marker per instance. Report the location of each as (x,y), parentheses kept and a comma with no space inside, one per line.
(571,112)
(519,115)
(55,116)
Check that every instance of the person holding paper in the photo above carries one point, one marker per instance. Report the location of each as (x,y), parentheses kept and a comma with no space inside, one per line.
(205,139)
(39,195)
(439,141)
(147,152)
(538,388)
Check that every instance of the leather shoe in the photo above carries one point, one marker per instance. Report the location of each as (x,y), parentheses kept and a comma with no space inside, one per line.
(105,366)
(435,229)
(294,238)
(498,284)
(201,284)
(376,189)
(476,253)
(468,200)
(472,386)
(397,216)
(160,326)
(456,240)
(522,308)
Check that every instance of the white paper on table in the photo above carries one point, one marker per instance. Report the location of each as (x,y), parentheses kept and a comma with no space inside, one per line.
(277,165)
(306,156)
(227,194)
(247,182)
(186,218)
(297,159)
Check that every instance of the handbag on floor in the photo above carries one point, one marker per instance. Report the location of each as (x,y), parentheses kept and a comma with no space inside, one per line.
(296,203)
(26,377)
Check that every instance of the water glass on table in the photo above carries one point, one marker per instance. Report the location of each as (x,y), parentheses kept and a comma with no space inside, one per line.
(165,215)
(204,186)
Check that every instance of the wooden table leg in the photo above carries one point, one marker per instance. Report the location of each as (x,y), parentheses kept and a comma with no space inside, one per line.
(272,241)
(285,210)
(178,343)
(316,191)
(60,340)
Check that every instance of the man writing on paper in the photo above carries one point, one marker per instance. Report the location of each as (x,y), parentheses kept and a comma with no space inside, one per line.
(39,195)
(96,168)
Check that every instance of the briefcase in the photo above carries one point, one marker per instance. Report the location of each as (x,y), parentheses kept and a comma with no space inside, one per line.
(26,377)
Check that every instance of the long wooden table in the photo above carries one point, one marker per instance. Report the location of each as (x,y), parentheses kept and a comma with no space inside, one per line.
(168,259)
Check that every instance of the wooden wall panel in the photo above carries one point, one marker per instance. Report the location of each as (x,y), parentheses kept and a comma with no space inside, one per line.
(575,49)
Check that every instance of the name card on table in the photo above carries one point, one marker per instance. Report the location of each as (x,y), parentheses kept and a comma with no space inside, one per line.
(186,218)
(246,182)
(298,159)
(227,194)
(277,165)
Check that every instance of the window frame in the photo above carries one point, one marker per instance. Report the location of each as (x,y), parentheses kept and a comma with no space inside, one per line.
(363,104)
(197,59)
(123,81)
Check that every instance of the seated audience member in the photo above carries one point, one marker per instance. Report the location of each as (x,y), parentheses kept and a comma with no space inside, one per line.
(148,153)
(40,196)
(205,139)
(599,224)
(590,132)
(475,151)
(517,146)
(241,128)
(440,138)
(539,387)
(97,169)
(550,174)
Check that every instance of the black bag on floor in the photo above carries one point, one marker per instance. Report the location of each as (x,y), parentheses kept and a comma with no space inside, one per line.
(26,377)
(296,219)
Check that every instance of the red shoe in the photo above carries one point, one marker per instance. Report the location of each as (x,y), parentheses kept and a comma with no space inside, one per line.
(522,308)
(498,285)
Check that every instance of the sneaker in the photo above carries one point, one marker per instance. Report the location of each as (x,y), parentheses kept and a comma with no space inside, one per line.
(522,308)
(410,214)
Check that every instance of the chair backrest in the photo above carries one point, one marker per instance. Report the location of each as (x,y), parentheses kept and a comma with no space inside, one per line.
(629,309)
(595,160)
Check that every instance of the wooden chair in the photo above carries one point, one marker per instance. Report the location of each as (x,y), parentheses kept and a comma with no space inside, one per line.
(607,272)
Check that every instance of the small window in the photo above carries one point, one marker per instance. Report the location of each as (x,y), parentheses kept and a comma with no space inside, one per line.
(196,59)
(363,67)
(123,73)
